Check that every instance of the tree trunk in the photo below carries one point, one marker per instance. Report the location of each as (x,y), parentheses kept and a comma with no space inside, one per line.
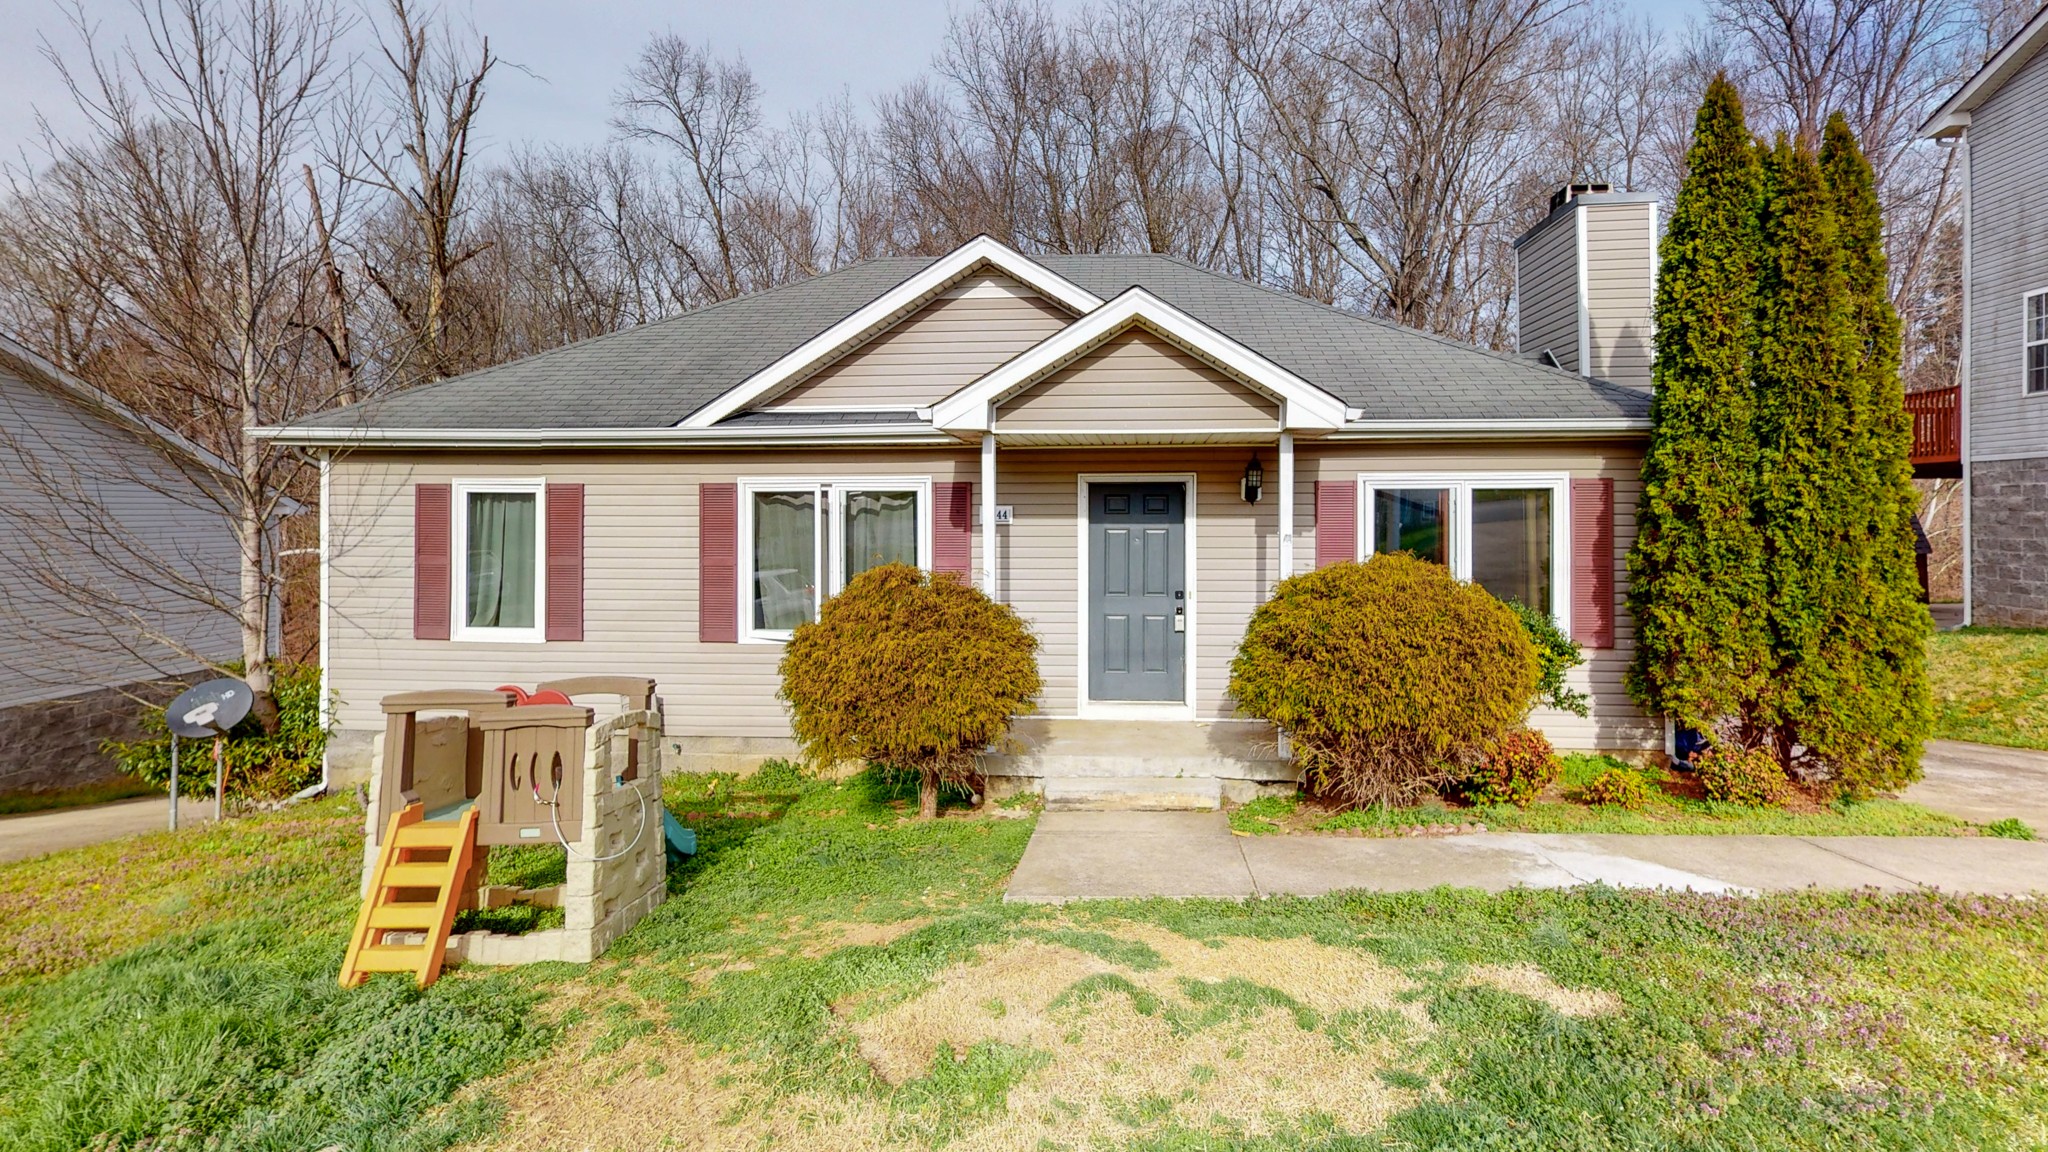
(928,796)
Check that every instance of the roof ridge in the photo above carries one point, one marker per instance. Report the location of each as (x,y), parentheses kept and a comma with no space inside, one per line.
(602,337)
(1381,322)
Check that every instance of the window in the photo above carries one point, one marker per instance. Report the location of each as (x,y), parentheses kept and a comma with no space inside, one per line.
(1503,532)
(2035,335)
(805,537)
(499,589)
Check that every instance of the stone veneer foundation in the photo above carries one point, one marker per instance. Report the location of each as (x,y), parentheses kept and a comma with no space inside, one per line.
(2009,542)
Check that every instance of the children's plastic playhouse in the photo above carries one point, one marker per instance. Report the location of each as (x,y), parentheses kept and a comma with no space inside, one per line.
(459,772)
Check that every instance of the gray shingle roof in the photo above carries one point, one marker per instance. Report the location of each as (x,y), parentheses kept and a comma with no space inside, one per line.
(658,374)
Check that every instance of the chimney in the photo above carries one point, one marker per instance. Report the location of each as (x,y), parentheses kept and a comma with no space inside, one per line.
(1585,283)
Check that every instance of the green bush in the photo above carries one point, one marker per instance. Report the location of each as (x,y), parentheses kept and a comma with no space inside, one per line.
(1736,775)
(913,671)
(2010,828)
(1516,769)
(1556,654)
(258,766)
(1389,677)
(1619,788)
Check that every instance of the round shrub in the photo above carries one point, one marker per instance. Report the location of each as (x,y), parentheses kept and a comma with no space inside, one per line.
(1389,677)
(916,672)
(1619,788)
(1516,769)
(1738,775)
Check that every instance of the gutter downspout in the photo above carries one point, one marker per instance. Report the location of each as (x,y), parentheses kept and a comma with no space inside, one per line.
(326,719)
(1963,399)
(988,512)
(1286,505)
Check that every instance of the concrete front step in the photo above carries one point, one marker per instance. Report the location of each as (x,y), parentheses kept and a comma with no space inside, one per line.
(1132,793)
(1069,749)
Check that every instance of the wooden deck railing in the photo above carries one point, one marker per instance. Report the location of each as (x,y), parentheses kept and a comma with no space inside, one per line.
(1937,425)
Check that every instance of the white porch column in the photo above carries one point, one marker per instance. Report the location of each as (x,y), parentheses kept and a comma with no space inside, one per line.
(988,513)
(1286,505)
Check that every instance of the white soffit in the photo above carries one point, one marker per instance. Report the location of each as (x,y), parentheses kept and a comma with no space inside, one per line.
(1303,406)
(872,317)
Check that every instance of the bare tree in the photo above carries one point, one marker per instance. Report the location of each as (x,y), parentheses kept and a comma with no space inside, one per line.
(179,206)
(428,93)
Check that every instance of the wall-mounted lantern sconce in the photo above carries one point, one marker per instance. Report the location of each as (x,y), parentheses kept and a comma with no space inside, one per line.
(1254,479)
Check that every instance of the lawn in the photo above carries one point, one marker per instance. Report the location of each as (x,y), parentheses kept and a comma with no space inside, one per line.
(830,974)
(1990,686)
(81,796)
(1676,808)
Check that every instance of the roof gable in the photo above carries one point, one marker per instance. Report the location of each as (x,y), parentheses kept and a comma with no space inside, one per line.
(1954,114)
(1302,405)
(980,321)
(887,309)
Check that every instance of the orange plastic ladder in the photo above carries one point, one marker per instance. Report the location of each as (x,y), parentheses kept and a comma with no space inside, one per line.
(419,855)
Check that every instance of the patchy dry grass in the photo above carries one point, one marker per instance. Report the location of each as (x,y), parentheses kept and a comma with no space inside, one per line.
(829,974)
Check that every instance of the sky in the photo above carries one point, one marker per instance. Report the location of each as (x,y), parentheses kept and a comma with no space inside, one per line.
(570,54)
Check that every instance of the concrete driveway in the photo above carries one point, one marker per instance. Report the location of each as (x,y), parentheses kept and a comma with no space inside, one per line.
(38,833)
(1113,855)
(1983,783)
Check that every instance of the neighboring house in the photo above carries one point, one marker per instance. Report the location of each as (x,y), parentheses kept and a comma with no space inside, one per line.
(1995,120)
(107,563)
(1129,450)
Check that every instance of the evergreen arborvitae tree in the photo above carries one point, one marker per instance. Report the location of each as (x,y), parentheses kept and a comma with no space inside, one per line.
(1696,574)
(1868,734)
(1802,352)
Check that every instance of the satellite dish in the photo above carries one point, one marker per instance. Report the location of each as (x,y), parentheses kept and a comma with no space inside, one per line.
(209,709)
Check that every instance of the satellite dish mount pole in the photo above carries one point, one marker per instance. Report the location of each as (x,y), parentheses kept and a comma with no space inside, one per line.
(174,781)
(220,780)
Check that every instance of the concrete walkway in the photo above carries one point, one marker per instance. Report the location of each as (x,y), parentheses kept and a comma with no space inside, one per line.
(39,833)
(1111,855)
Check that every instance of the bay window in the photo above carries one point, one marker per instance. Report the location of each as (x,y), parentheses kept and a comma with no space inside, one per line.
(802,540)
(1503,531)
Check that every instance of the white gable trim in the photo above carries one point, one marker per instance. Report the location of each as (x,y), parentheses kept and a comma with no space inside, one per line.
(1953,117)
(870,318)
(1303,406)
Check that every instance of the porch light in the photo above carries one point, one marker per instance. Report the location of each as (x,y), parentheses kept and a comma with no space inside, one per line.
(1254,479)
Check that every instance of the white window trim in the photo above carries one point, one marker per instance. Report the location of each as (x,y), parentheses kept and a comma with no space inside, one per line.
(828,558)
(459,570)
(2027,299)
(1461,485)
(1089,709)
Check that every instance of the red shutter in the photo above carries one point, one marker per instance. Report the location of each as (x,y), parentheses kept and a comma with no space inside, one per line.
(718,563)
(953,529)
(1336,522)
(1593,562)
(431,548)
(565,561)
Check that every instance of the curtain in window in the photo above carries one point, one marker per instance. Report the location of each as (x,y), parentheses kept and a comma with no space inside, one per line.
(501,559)
(1511,544)
(1413,520)
(881,528)
(785,559)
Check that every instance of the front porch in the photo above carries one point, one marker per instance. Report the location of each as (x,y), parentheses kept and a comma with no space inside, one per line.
(1138,765)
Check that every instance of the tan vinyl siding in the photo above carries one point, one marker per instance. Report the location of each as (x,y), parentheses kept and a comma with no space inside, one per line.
(640,568)
(2008,258)
(1615,722)
(49,446)
(1237,557)
(1547,293)
(972,327)
(1620,249)
(639,580)
(1138,380)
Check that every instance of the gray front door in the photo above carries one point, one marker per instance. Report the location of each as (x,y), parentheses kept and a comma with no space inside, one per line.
(1137,582)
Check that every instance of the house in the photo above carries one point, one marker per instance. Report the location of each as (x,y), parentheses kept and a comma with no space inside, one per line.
(113,562)
(1993,121)
(1129,450)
